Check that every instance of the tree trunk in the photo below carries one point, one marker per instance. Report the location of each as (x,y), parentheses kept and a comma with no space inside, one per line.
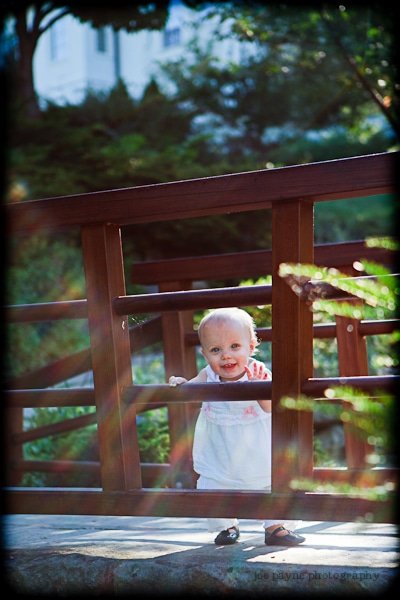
(25,88)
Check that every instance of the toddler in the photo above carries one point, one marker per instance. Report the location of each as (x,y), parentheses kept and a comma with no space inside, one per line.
(232,440)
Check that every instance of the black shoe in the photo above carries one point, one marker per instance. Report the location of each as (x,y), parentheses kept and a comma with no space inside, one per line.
(290,539)
(227,536)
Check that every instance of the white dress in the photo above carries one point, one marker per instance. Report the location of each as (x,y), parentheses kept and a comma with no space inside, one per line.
(232,450)
(232,443)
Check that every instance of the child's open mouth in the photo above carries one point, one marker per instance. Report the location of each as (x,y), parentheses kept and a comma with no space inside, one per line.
(229,366)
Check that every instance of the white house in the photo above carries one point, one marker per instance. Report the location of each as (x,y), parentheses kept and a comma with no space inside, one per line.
(73,57)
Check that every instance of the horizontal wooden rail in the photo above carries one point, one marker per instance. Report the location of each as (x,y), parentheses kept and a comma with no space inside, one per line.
(196,299)
(153,474)
(321,330)
(37,398)
(55,372)
(385,326)
(47,311)
(140,336)
(149,333)
(58,466)
(65,466)
(197,392)
(219,297)
(356,477)
(254,390)
(240,192)
(198,503)
(316,386)
(254,263)
(54,428)
(66,425)
(158,395)
(40,398)
(359,477)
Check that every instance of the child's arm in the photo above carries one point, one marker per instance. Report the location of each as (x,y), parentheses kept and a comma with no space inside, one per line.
(265,405)
(201,377)
(259,372)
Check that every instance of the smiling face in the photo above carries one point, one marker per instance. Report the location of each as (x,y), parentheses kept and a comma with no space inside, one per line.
(227,346)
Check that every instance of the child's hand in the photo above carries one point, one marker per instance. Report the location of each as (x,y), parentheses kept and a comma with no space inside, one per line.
(173,381)
(258,371)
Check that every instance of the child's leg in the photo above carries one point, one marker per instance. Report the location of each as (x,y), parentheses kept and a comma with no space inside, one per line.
(270,524)
(221,524)
(215,524)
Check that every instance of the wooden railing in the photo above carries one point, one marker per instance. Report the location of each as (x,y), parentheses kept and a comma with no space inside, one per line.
(290,192)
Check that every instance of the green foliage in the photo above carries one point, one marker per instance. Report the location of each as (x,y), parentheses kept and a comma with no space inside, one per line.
(372,415)
(322,457)
(379,295)
(307,89)
(43,269)
(148,366)
(153,434)
(132,17)
(79,444)
(377,493)
(31,346)
(325,356)
(355,218)
(221,119)
(109,141)
(56,269)
(381,242)
(199,236)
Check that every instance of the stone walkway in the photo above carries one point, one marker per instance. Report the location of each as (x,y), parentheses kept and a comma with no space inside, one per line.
(64,554)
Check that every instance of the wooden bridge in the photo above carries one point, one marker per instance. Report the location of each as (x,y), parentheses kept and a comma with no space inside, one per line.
(129,487)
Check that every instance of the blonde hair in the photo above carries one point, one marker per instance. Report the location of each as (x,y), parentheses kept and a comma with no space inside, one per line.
(231,314)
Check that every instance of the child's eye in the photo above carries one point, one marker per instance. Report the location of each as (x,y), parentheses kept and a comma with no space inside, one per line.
(235,346)
(214,350)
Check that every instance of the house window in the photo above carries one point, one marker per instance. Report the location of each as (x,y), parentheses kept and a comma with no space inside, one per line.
(172,37)
(58,41)
(101,40)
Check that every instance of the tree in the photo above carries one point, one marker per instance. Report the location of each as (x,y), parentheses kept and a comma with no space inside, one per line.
(313,73)
(32,19)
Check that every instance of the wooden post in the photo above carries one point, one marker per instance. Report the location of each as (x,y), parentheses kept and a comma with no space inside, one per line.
(111,358)
(179,359)
(353,360)
(14,421)
(292,344)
